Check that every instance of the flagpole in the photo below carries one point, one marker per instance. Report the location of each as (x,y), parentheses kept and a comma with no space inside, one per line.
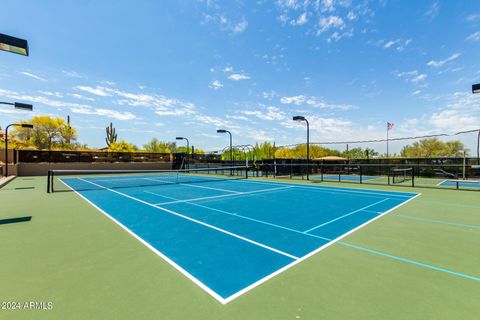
(387,140)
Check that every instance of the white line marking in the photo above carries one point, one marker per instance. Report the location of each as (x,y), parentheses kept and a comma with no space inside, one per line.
(210,188)
(442,182)
(288,266)
(249,218)
(261,281)
(370,192)
(346,215)
(196,221)
(163,256)
(193,204)
(219,196)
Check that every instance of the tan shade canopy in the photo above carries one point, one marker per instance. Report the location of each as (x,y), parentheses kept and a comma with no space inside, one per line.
(331,158)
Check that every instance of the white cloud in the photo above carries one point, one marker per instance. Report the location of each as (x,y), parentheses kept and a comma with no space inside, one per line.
(238,76)
(241,26)
(266,113)
(314,102)
(390,43)
(108,83)
(34,76)
(327,23)
(269,95)
(439,63)
(473,17)
(215,85)
(12,111)
(325,17)
(351,15)
(235,117)
(80,97)
(413,76)
(301,20)
(72,74)
(433,11)
(461,113)
(41,100)
(118,115)
(474,36)
(98,91)
(51,94)
(228,69)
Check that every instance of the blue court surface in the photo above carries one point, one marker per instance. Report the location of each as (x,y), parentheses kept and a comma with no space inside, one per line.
(228,236)
(344,177)
(461,184)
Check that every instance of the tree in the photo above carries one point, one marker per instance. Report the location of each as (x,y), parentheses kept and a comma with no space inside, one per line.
(122,146)
(265,150)
(359,153)
(433,147)
(300,151)
(155,145)
(68,135)
(47,132)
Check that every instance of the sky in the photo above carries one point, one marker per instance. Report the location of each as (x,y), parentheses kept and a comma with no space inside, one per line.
(186,68)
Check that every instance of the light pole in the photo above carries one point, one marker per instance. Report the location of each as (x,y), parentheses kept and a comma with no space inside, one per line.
(23,125)
(475,90)
(18,105)
(231,150)
(188,148)
(302,118)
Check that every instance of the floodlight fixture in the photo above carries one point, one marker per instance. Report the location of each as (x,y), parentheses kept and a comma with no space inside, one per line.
(13,45)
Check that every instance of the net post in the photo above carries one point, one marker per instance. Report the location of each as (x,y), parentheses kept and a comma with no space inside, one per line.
(246,172)
(413,177)
(48,181)
(51,181)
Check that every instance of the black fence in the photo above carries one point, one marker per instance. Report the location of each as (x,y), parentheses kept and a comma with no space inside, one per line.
(36,156)
(433,175)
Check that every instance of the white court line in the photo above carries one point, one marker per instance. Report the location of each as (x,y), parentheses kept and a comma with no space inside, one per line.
(346,215)
(196,221)
(248,218)
(442,182)
(261,281)
(163,256)
(193,204)
(370,192)
(219,196)
(195,186)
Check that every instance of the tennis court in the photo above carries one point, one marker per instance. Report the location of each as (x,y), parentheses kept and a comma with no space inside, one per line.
(460,184)
(344,177)
(231,235)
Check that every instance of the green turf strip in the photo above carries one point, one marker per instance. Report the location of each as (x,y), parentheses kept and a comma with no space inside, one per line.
(91,269)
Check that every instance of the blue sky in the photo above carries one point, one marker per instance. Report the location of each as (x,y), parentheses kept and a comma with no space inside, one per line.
(168,68)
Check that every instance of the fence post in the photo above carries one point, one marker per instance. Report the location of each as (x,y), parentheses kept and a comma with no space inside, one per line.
(389,172)
(413,177)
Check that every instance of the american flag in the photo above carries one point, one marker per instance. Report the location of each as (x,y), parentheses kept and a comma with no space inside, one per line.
(389,126)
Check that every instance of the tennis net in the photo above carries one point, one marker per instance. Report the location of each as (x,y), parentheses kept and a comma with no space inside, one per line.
(402,175)
(82,180)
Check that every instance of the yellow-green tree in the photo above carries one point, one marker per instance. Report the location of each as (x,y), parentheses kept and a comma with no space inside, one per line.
(47,133)
(156,145)
(300,151)
(433,147)
(122,146)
